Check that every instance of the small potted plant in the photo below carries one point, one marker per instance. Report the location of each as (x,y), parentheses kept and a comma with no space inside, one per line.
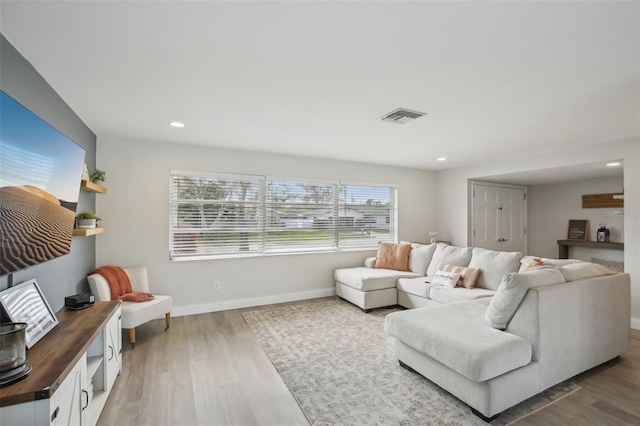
(87,220)
(98,176)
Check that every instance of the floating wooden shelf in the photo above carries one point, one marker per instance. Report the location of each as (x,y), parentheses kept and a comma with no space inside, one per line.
(595,201)
(563,246)
(85,185)
(88,232)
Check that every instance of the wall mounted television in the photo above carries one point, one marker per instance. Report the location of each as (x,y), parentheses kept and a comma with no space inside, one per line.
(40,172)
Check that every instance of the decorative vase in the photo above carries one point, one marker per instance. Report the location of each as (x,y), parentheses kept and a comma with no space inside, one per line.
(86,223)
(85,173)
(98,182)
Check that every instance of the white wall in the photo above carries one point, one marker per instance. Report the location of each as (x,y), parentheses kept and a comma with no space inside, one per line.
(453,197)
(551,206)
(136,213)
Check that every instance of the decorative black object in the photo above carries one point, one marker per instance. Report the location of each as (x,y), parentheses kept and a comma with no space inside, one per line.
(79,301)
(602,234)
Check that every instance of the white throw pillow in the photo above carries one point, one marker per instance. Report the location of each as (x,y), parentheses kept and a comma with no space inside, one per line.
(459,256)
(512,290)
(420,257)
(447,279)
(494,265)
(583,270)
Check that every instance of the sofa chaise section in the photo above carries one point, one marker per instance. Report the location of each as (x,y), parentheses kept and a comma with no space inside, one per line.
(556,332)
(369,288)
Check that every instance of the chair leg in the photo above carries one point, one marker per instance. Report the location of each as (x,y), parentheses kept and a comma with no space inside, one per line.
(132,337)
(167,318)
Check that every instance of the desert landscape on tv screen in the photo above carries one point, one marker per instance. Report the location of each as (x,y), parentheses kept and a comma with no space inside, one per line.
(40,171)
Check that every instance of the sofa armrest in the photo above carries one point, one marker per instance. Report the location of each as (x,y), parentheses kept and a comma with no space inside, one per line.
(370,262)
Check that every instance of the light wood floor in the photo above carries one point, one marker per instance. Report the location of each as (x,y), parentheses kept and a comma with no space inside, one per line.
(209,369)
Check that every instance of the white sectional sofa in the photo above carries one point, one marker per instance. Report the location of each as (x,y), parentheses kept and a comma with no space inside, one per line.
(514,335)
(369,288)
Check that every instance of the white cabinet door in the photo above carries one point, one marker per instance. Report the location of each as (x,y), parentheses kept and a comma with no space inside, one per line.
(70,398)
(113,349)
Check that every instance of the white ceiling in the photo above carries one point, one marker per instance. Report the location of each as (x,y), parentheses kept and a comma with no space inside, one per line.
(311,78)
(558,174)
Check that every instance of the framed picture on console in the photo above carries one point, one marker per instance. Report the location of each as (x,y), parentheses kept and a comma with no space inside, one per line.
(26,303)
(578,229)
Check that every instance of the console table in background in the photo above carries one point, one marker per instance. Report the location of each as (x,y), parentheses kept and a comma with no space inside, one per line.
(563,246)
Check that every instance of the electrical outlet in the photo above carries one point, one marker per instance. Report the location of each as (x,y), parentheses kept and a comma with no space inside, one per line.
(216,285)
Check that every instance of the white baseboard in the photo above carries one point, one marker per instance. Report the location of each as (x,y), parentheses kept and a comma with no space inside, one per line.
(635,323)
(180,311)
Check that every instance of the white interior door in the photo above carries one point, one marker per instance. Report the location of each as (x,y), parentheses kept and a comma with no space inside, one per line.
(499,217)
(513,216)
(486,216)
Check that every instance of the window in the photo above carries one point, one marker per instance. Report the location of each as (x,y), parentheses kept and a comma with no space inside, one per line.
(216,215)
(367,215)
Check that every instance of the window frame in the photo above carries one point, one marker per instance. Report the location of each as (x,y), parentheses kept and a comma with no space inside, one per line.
(265,230)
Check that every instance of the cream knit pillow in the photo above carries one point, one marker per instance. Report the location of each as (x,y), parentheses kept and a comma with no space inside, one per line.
(512,290)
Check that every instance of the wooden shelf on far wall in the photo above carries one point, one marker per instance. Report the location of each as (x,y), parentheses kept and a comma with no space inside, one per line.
(563,246)
(88,232)
(85,185)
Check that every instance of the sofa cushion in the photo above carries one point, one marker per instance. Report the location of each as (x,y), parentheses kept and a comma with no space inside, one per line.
(468,276)
(139,313)
(420,257)
(527,260)
(442,294)
(393,256)
(416,286)
(459,256)
(456,336)
(494,265)
(512,290)
(584,270)
(369,279)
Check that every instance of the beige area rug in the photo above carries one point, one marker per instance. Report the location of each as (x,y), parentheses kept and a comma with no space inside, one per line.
(339,364)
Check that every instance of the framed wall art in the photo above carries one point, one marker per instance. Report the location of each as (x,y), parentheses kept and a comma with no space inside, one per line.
(578,229)
(26,303)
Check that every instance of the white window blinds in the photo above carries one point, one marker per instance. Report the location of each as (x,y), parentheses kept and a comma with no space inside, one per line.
(300,216)
(368,215)
(215,215)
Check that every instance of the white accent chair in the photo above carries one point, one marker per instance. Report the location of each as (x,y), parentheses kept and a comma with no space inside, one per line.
(134,314)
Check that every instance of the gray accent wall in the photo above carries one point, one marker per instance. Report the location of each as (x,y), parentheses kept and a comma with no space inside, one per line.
(65,275)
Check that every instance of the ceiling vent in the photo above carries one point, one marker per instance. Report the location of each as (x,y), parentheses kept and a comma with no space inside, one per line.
(401,116)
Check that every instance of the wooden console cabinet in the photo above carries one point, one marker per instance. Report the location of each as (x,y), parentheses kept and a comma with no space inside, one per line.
(73,370)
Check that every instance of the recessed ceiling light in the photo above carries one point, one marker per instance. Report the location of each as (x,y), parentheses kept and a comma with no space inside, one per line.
(614,164)
(176,124)
(441,159)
